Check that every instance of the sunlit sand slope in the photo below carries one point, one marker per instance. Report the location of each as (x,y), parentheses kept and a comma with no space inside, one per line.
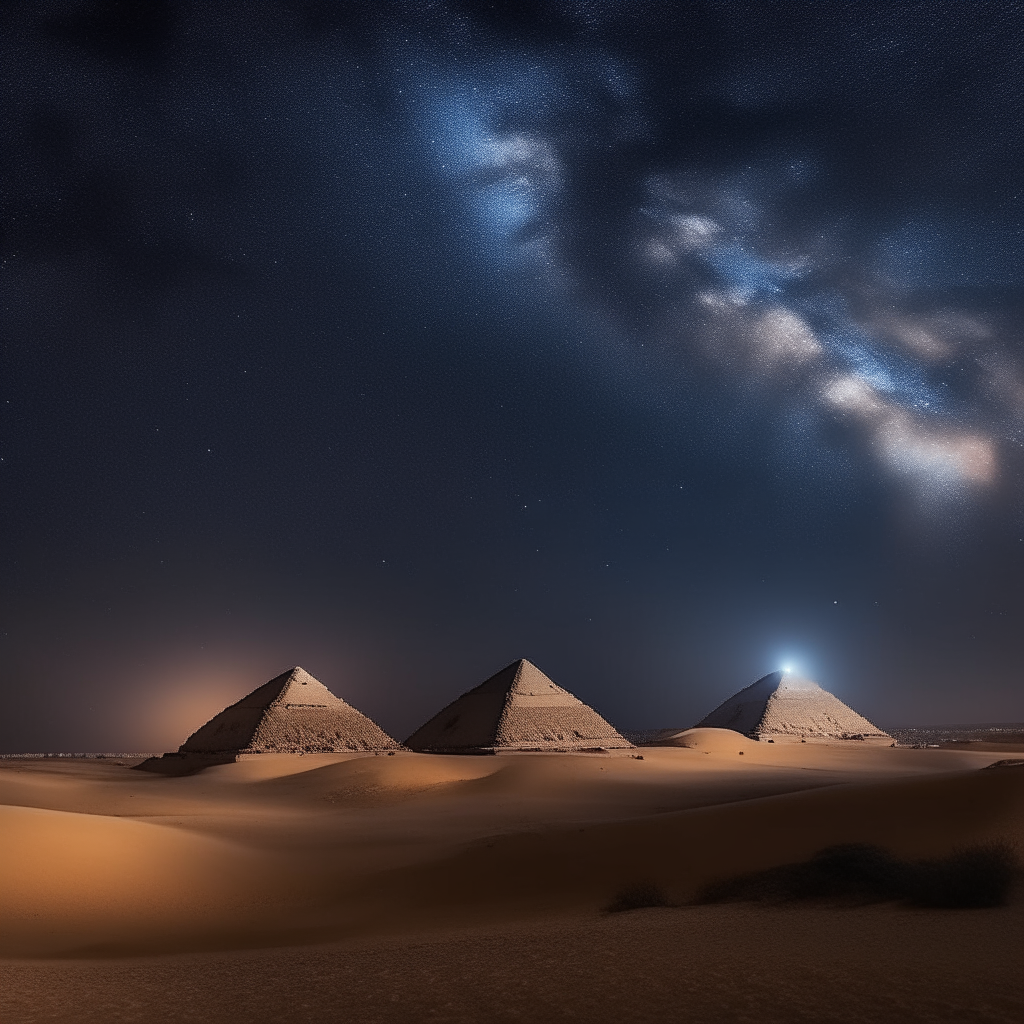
(68,879)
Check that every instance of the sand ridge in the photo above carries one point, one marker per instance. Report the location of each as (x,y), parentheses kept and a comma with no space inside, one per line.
(342,845)
(682,851)
(377,887)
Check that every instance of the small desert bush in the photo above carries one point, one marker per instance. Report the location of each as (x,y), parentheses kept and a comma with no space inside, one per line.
(980,876)
(635,897)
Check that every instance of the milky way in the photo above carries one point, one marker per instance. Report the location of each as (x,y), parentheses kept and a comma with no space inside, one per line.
(660,343)
(887,317)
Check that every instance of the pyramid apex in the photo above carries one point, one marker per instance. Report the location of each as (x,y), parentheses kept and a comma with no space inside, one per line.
(792,681)
(514,668)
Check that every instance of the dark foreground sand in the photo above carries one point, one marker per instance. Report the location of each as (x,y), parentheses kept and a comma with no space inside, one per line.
(726,963)
(466,889)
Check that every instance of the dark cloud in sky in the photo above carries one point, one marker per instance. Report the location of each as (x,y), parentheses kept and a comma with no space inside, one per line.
(657,343)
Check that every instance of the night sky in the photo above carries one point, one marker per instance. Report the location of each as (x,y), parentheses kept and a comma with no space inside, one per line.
(662,344)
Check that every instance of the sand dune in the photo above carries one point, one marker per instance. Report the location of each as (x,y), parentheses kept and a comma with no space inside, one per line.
(101,860)
(682,852)
(378,781)
(78,879)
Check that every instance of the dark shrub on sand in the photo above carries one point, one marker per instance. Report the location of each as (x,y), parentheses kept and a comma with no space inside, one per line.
(646,894)
(977,877)
(858,873)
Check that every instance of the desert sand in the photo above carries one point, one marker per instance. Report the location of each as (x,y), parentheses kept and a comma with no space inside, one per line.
(404,886)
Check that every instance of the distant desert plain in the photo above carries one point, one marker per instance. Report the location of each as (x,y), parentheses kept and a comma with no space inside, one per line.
(415,887)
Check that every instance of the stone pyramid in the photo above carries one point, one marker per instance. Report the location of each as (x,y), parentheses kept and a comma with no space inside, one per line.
(292,714)
(519,708)
(785,708)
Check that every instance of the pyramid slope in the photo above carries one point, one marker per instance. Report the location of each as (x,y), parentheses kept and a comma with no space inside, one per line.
(293,713)
(518,708)
(781,706)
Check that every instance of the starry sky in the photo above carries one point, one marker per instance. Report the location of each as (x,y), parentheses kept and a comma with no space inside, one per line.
(661,343)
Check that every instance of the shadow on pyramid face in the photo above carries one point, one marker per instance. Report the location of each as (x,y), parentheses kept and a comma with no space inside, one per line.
(516,709)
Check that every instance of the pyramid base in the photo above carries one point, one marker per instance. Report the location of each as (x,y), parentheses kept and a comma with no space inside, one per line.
(183,764)
(525,748)
(189,762)
(777,737)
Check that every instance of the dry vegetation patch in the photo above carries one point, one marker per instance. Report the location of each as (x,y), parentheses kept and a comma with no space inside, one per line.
(859,873)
